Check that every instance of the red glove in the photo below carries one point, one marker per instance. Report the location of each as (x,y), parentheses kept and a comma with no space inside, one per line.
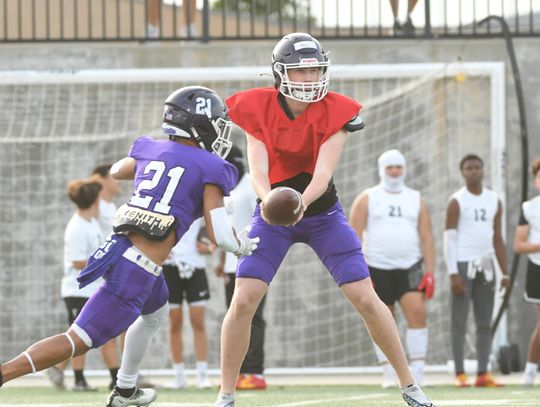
(427,285)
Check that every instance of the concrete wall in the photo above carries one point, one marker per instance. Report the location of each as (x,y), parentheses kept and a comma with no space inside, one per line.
(122,55)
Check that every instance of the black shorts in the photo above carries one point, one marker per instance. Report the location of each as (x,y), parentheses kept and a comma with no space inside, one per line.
(390,285)
(532,285)
(74,306)
(193,289)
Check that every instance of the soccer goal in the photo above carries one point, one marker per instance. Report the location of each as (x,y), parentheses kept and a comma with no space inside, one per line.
(56,126)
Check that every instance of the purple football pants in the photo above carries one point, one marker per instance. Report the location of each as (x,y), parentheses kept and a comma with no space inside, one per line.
(128,291)
(329,235)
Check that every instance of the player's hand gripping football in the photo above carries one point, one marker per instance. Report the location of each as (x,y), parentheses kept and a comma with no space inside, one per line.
(427,285)
(246,244)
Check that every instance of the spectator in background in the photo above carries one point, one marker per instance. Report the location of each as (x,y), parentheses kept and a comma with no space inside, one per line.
(527,241)
(394,225)
(471,239)
(82,236)
(407,28)
(189,29)
(110,188)
(186,279)
(240,206)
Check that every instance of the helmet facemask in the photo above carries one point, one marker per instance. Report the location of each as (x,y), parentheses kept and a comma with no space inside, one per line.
(222,144)
(304,91)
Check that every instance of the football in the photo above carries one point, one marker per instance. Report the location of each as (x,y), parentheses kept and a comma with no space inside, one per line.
(282,206)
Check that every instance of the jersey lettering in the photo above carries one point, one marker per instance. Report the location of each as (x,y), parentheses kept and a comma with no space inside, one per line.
(480,215)
(395,211)
(158,167)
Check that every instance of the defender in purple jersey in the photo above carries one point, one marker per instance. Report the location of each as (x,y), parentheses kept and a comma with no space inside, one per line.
(175,182)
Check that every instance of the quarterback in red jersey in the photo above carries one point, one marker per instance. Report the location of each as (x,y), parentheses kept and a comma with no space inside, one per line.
(295,133)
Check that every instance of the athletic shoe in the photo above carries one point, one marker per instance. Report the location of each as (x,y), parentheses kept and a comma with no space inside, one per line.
(251,382)
(142,382)
(486,380)
(203,383)
(462,380)
(82,385)
(56,377)
(178,383)
(415,397)
(140,397)
(528,379)
(224,400)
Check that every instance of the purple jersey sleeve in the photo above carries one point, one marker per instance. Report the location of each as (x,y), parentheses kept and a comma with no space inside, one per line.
(225,176)
(136,146)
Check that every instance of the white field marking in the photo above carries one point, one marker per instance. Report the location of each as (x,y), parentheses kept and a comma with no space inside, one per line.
(70,404)
(322,401)
(486,403)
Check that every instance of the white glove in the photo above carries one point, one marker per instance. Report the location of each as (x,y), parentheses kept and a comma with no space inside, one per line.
(246,244)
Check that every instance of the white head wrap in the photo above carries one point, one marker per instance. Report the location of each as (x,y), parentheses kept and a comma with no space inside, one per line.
(387,159)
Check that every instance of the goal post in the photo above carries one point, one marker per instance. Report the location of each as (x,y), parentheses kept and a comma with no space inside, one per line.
(56,126)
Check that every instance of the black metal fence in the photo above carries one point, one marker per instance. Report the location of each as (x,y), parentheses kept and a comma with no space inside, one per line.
(210,20)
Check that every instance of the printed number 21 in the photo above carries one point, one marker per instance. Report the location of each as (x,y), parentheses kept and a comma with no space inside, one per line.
(203,106)
(162,206)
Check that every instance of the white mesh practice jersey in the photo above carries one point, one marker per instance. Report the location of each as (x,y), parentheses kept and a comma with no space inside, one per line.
(81,238)
(185,250)
(106,215)
(531,212)
(240,206)
(475,226)
(391,239)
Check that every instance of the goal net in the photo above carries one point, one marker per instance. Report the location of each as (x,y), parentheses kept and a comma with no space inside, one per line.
(57,126)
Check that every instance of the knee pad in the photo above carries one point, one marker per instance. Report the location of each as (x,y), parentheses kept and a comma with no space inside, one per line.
(157,317)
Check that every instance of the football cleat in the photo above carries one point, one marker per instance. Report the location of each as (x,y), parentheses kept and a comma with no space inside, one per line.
(83,386)
(250,382)
(462,380)
(224,400)
(415,397)
(56,377)
(203,383)
(178,383)
(140,397)
(486,380)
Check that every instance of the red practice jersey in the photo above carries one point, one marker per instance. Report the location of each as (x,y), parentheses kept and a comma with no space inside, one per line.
(292,145)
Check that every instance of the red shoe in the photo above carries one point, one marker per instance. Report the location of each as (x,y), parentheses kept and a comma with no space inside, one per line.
(250,382)
(486,380)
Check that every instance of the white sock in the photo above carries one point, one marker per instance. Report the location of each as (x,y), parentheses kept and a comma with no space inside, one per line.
(138,338)
(530,373)
(417,341)
(179,371)
(202,367)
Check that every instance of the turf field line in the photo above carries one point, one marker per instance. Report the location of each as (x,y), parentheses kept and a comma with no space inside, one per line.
(322,401)
(498,402)
(70,404)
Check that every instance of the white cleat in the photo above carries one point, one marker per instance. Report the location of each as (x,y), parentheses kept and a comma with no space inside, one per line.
(141,397)
(415,397)
(176,384)
(204,383)
(224,400)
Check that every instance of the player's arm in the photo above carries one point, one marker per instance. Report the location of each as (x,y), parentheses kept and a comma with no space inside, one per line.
(450,247)
(219,228)
(498,244)
(521,242)
(79,264)
(123,169)
(329,156)
(258,166)
(425,232)
(358,215)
